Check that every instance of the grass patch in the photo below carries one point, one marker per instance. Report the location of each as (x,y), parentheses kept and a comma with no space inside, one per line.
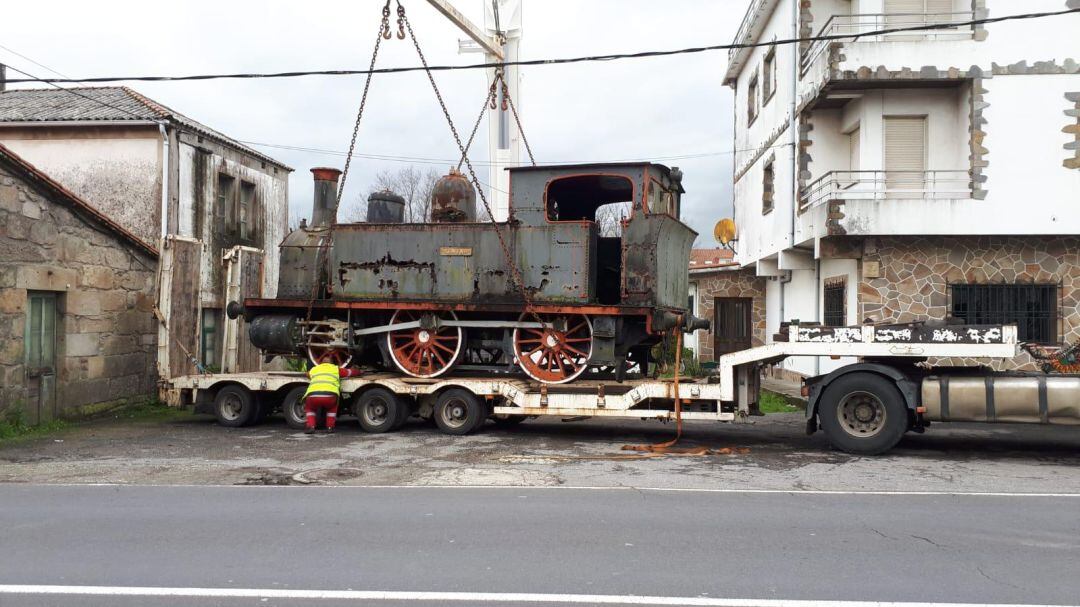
(771,402)
(13,426)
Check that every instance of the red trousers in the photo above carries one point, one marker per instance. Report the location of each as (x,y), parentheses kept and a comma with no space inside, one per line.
(315,401)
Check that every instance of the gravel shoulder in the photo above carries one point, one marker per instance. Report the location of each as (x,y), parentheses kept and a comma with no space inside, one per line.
(772,453)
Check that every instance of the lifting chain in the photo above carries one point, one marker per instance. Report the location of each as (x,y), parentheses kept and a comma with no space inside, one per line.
(384,33)
(515,272)
(517,121)
(489,101)
(324,247)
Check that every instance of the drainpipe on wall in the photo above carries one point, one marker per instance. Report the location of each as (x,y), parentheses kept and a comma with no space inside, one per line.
(164,180)
(793,133)
(818,294)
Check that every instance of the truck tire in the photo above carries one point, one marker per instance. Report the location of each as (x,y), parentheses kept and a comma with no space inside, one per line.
(863,413)
(378,410)
(292,408)
(458,411)
(405,411)
(235,406)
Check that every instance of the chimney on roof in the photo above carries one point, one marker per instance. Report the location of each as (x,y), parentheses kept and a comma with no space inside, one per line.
(3,77)
(324,211)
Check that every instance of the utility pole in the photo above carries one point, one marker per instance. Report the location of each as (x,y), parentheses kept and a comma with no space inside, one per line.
(504,140)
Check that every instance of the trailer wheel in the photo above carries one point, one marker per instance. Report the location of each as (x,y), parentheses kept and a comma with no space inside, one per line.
(292,407)
(458,411)
(234,406)
(405,411)
(378,410)
(863,413)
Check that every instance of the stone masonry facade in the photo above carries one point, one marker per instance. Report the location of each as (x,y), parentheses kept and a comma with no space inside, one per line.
(915,274)
(729,283)
(104,285)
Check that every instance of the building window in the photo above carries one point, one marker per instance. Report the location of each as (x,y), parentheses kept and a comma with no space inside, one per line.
(223,209)
(768,84)
(835,296)
(246,218)
(1033,308)
(905,154)
(39,343)
(210,338)
(767,188)
(752,100)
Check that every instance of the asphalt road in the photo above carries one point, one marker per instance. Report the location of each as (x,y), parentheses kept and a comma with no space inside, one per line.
(257,541)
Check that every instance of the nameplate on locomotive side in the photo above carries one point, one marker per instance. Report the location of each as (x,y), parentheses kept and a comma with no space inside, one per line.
(455,251)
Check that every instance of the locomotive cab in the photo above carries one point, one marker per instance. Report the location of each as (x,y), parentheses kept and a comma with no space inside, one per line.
(635,241)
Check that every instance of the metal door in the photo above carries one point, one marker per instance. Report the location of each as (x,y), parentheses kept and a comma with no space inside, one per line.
(732,324)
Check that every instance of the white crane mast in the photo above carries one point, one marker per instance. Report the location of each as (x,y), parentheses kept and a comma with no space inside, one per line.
(504,139)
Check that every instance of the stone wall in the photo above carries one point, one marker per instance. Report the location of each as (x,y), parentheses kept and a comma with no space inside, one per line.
(915,273)
(106,331)
(729,283)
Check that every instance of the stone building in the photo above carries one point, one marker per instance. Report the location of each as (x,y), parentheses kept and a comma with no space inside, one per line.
(77,328)
(912,175)
(158,173)
(731,298)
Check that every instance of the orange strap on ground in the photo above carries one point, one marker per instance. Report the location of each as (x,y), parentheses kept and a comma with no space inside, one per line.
(668,446)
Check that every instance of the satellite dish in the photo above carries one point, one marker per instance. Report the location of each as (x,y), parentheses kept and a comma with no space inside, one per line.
(725,232)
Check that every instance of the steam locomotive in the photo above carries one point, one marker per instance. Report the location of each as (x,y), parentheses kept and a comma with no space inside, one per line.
(548,292)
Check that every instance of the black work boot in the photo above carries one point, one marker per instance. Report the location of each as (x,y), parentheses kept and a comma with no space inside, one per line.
(309,430)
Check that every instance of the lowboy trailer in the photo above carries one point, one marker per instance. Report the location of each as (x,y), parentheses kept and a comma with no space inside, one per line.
(864,407)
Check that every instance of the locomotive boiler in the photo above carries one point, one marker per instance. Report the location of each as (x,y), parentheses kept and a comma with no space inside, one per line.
(552,292)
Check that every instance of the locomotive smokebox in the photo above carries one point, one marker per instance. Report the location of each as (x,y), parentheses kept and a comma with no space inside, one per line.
(385,207)
(324,211)
(453,199)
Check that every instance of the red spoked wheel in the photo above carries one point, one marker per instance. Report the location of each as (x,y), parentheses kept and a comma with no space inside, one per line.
(320,349)
(552,356)
(420,352)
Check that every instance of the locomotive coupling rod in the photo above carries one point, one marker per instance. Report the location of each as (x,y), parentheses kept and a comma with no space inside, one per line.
(415,324)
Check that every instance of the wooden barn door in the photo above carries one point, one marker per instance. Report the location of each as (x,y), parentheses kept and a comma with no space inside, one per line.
(732,324)
(178,306)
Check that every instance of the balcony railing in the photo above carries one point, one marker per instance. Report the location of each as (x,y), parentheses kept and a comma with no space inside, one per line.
(857,26)
(886,185)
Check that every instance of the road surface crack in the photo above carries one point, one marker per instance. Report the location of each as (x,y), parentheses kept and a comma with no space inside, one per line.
(928,541)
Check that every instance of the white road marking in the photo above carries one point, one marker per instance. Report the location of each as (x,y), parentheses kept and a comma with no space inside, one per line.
(567,488)
(471,597)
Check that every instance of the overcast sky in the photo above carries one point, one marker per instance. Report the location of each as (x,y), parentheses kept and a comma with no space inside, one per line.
(628,109)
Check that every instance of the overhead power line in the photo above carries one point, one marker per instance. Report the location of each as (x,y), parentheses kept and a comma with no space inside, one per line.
(557,61)
(41,65)
(428,160)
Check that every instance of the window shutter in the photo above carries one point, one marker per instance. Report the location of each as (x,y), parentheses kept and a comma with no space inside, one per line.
(938,11)
(904,6)
(853,150)
(905,152)
(901,13)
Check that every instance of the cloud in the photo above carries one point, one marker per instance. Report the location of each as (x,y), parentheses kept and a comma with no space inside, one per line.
(641,108)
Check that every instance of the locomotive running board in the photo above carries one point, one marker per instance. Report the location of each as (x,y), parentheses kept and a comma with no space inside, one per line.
(476,324)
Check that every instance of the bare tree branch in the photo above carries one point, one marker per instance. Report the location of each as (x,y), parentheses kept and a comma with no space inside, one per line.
(413,184)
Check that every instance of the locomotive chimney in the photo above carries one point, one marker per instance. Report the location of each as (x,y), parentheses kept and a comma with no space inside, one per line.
(324,208)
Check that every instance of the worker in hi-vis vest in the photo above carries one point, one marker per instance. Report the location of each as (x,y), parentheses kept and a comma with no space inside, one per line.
(323,393)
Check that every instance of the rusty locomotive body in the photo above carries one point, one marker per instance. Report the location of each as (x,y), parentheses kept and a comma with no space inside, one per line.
(598,286)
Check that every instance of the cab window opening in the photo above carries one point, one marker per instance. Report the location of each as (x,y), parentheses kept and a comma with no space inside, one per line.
(585,197)
(660,200)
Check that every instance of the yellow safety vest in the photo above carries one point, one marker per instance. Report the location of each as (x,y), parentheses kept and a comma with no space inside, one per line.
(324,378)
